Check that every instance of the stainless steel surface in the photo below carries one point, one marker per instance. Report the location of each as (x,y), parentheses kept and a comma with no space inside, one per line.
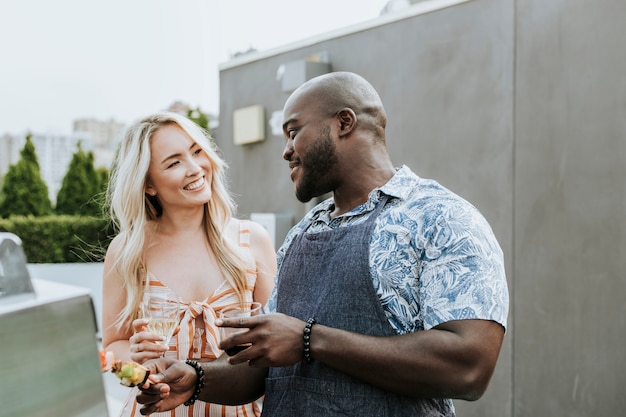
(15,283)
(49,360)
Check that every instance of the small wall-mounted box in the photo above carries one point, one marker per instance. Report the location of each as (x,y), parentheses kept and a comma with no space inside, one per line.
(249,125)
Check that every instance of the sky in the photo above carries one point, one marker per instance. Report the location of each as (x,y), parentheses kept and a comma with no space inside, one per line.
(62,60)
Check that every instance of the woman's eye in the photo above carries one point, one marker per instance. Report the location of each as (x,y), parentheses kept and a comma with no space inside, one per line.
(197,151)
(172,164)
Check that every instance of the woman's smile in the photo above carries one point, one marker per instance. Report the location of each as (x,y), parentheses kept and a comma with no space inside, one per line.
(195,185)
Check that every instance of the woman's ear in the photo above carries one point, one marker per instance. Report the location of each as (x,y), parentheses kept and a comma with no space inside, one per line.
(347,121)
(150,191)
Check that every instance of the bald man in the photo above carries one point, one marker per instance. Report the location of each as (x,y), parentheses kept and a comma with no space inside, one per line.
(390,298)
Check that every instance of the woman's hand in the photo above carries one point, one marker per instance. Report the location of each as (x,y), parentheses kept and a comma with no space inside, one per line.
(145,345)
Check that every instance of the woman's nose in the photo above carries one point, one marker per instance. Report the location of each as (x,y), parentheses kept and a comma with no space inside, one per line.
(193,167)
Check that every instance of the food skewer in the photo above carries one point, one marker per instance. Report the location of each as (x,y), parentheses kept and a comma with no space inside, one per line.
(130,373)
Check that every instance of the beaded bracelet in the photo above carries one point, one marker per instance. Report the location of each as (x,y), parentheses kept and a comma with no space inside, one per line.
(307,339)
(199,383)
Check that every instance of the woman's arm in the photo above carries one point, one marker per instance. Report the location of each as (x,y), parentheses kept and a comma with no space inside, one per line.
(125,342)
(265,258)
(114,339)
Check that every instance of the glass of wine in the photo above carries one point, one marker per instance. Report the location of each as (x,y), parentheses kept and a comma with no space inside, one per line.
(246,309)
(162,309)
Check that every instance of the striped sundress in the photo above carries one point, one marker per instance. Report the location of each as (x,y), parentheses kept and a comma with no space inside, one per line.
(201,342)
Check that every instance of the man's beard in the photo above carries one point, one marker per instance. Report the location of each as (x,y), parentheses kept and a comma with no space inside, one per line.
(320,160)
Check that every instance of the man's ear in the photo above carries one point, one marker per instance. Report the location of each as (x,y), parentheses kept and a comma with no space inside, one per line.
(347,121)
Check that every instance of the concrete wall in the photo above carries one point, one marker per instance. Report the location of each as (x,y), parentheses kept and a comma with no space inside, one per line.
(570,205)
(519,106)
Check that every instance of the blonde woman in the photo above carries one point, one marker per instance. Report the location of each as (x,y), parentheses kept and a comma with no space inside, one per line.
(168,197)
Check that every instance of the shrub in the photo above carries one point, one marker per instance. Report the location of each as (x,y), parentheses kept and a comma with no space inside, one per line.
(61,239)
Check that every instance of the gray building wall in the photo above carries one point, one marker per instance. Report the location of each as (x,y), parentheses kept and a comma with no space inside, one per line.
(569,224)
(519,107)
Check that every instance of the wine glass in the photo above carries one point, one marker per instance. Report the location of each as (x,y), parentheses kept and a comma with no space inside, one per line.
(246,309)
(161,308)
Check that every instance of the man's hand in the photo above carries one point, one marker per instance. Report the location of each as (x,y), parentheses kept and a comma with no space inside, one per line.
(275,339)
(171,383)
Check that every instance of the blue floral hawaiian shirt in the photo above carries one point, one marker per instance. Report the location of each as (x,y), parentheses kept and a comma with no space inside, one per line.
(433,256)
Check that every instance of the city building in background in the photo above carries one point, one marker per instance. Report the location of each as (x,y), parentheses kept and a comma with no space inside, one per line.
(54,153)
(55,150)
(105,135)
(9,151)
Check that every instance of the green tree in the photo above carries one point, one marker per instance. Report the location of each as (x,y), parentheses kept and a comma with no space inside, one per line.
(103,179)
(200,118)
(81,186)
(24,192)
(102,175)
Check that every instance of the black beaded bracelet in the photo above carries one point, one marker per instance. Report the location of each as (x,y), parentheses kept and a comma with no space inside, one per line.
(307,339)
(199,382)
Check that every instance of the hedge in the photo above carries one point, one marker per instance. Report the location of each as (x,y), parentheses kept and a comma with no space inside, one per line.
(61,238)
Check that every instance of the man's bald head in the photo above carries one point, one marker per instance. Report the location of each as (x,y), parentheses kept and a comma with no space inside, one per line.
(330,93)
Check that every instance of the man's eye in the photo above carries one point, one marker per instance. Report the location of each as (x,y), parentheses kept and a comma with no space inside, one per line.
(292,132)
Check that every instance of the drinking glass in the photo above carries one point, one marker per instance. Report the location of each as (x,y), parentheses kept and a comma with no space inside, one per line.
(246,309)
(162,311)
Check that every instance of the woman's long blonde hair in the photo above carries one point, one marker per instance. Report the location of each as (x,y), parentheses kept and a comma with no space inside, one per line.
(131,208)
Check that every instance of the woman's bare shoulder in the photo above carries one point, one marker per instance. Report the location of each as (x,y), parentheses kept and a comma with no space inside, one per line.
(115,245)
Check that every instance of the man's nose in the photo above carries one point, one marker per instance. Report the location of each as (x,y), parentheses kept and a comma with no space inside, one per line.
(288,151)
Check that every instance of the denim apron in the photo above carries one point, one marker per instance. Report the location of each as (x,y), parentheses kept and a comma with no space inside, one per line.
(326,275)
